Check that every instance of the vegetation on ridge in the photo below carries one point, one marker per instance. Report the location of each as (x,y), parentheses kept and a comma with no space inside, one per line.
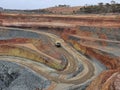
(112,7)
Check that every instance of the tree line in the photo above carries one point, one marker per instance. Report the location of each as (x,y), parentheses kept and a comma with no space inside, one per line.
(112,7)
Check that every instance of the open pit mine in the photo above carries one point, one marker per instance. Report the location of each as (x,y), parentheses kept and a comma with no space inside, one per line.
(59,52)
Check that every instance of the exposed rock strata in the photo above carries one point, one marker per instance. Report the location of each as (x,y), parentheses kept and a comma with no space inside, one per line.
(93,36)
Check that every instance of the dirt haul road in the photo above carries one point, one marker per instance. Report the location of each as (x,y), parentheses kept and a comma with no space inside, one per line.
(86,74)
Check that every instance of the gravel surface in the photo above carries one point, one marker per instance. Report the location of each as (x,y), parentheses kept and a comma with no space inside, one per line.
(17,77)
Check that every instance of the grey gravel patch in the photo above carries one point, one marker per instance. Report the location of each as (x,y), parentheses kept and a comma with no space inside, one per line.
(16,77)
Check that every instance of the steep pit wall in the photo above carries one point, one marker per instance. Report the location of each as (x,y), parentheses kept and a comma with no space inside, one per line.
(99,42)
(109,60)
(103,44)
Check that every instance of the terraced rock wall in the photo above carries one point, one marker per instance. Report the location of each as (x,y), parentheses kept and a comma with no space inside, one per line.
(83,20)
(93,36)
(100,42)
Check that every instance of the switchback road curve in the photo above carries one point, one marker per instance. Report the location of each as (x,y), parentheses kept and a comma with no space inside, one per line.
(75,60)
